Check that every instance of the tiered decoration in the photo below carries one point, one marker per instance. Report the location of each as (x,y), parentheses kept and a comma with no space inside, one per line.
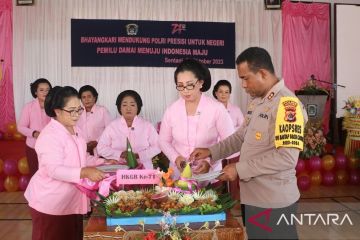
(352,125)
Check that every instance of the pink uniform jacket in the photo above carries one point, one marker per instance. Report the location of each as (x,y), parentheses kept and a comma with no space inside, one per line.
(32,118)
(93,123)
(142,136)
(61,156)
(181,134)
(236,115)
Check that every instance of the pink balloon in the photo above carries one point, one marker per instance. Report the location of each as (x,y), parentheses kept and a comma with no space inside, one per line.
(314,163)
(2,188)
(354,177)
(303,183)
(10,167)
(340,161)
(300,166)
(328,178)
(23,182)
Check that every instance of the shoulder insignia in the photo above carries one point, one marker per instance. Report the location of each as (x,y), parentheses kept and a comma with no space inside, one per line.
(271,95)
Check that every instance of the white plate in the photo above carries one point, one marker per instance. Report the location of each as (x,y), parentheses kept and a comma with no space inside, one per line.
(112,168)
(207,176)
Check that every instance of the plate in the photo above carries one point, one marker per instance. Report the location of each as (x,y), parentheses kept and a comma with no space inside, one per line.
(207,176)
(112,168)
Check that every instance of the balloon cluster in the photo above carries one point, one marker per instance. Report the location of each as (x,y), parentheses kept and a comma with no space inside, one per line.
(11,133)
(14,174)
(328,170)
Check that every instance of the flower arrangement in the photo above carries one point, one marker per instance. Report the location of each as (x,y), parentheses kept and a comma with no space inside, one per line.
(166,178)
(168,230)
(314,140)
(311,88)
(352,106)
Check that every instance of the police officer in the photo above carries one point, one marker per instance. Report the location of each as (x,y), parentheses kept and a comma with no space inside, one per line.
(269,143)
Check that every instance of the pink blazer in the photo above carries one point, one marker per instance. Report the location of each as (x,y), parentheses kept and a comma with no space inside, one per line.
(61,156)
(180,134)
(93,123)
(142,136)
(236,115)
(32,118)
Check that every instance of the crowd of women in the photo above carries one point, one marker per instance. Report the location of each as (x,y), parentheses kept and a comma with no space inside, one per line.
(68,134)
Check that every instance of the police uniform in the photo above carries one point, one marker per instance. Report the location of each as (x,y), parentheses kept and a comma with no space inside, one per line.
(267,174)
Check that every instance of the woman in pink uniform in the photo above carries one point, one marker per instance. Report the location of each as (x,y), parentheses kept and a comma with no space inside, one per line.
(141,133)
(221,92)
(33,119)
(94,119)
(193,120)
(55,202)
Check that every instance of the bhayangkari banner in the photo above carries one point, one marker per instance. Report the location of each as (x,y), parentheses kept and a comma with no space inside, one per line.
(151,43)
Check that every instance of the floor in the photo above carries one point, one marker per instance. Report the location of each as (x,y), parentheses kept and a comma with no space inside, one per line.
(341,201)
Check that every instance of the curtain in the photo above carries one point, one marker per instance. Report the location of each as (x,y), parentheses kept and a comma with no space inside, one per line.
(7,113)
(306,45)
(42,40)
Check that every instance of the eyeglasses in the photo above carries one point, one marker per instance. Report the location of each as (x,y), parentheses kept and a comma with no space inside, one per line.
(190,86)
(73,113)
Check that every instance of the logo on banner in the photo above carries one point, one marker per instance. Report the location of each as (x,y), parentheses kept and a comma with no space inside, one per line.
(178,28)
(132,29)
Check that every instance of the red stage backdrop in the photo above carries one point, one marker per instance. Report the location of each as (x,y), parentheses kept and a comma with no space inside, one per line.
(306,45)
(7,110)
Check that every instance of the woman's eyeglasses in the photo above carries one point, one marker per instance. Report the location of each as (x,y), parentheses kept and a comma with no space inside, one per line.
(190,86)
(74,113)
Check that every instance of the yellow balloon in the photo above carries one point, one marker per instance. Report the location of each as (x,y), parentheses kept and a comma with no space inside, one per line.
(1,165)
(354,162)
(315,178)
(328,162)
(18,136)
(23,166)
(11,183)
(11,128)
(341,177)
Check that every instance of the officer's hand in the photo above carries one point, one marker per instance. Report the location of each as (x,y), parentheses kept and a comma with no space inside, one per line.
(230,173)
(179,162)
(199,153)
(202,166)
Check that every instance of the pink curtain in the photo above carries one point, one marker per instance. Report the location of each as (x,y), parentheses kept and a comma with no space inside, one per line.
(306,45)
(7,111)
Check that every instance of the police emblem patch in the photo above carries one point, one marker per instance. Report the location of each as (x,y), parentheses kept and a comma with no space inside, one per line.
(290,110)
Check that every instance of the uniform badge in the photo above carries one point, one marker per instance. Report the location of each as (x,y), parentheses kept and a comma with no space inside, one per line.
(271,95)
(258,135)
(290,110)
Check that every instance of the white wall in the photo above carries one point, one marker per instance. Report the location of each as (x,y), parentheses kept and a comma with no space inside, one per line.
(42,46)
